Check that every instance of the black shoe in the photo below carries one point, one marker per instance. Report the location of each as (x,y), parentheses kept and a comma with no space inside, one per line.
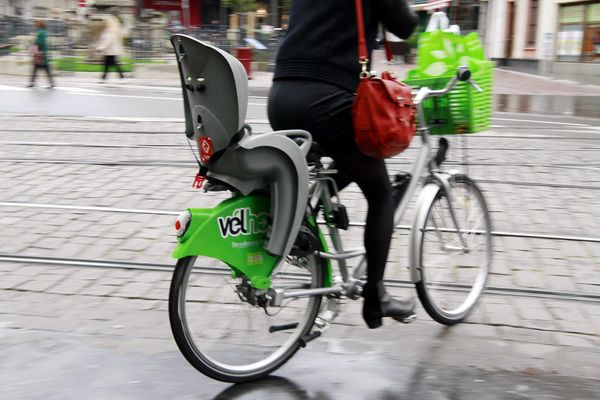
(31,85)
(378,303)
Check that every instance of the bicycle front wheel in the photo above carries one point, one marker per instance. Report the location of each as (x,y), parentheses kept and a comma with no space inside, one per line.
(226,330)
(454,258)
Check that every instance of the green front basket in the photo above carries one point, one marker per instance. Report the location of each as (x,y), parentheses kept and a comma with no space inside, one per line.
(463,110)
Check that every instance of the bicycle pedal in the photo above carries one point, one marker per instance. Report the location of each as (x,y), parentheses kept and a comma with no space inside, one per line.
(330,309)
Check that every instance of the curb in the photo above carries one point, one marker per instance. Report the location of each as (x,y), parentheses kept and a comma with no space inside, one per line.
(549,78)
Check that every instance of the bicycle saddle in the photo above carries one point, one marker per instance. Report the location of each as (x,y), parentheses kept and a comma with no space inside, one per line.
(215,95)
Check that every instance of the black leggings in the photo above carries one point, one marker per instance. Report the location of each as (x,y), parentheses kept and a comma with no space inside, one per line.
(45,67)
(111,60)
(325,111)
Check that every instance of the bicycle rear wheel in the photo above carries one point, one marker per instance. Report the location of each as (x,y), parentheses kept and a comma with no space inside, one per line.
(454,272)
(227,338)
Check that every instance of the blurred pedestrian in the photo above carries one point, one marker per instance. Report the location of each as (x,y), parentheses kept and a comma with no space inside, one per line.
(393,47)
(40,54)
(438,20)
(111,45)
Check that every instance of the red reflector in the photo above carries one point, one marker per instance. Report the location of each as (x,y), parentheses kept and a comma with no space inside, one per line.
(177,225)
(206,148)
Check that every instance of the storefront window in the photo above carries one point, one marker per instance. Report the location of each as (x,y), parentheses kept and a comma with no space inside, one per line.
(591,44)
(578,37)
(593,13)
(532,25)
(572,14)
(465,13)
(570,38)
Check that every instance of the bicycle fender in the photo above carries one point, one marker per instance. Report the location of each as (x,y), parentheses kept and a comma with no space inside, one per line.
(235,232)
(422,206)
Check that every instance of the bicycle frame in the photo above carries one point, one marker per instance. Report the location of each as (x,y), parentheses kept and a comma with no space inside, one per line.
(351,284)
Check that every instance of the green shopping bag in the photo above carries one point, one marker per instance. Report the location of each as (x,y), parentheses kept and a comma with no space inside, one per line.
(440,53)
(463,110)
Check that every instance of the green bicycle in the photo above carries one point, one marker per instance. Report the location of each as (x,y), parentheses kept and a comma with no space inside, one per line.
(255,278)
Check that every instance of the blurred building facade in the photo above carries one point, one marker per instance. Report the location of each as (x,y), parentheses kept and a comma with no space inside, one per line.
(198,13)
(559,38)
(469,15)
(47,8)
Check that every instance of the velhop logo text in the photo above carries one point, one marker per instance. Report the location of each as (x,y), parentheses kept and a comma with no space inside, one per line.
(243,222)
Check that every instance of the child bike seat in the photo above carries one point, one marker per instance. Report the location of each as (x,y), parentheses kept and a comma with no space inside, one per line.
(215,96)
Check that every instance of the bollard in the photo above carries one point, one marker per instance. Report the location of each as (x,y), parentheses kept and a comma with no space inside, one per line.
(244,54)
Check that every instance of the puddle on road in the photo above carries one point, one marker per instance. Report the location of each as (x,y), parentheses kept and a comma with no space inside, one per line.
(577,106)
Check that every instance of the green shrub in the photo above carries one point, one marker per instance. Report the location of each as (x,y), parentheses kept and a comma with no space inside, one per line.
(78,64)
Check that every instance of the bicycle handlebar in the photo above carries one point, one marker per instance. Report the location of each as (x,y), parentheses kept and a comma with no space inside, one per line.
(462,74)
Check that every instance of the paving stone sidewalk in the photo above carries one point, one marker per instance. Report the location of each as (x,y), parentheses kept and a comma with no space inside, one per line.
(564,266)
(544,187)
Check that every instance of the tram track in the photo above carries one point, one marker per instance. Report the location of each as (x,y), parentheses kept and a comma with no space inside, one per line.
(87,132)
(121,163)
(186,146)
(398,165)
(94,145)
(191,161)
(484,136)
(393,283)
(523,235)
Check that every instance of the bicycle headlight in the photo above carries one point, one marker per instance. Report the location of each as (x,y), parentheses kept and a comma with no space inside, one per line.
(183,223)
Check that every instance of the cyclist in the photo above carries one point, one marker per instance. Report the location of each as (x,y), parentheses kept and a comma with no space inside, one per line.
(316,76)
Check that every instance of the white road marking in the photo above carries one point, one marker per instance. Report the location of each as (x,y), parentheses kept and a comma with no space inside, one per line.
(72,89)
(13,88)
(86,144)
(538,121)
(92,92)
(511,134)
(125,119)
(592,128)
(146,119)
(173,89)
(124,96)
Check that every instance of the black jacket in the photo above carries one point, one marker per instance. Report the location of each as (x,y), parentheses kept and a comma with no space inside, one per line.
(322,39)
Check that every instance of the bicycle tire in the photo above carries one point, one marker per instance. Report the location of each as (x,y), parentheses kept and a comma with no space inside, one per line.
(231,315)
(439,237)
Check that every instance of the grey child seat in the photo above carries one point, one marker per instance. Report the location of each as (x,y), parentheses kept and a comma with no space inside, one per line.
(215,95)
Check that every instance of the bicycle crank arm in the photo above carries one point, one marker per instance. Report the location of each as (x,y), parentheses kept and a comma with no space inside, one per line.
(278,295)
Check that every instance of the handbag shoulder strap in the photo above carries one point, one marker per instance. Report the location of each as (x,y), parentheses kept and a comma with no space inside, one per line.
(362,42)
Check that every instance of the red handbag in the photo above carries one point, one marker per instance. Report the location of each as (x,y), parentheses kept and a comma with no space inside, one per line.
(383,113)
